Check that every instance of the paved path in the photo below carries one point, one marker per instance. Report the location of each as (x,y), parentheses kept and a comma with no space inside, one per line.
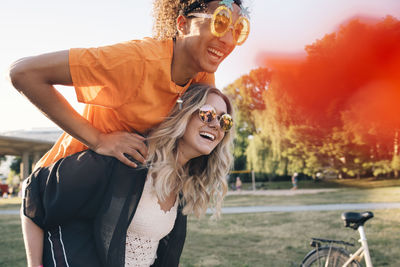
(282,208)
(294,208)
(9,212)
(322,207)
(281,192)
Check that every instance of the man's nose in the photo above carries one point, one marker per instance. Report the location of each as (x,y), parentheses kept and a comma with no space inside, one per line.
(227,38)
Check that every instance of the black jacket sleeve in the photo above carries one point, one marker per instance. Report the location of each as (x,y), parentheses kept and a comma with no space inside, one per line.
(69,189)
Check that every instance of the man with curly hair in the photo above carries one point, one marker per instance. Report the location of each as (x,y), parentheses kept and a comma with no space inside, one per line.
(129,87)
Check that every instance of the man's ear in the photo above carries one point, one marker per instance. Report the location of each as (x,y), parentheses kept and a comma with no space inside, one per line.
(182,25)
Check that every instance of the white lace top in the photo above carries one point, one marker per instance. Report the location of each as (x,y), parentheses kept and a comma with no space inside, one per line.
(149,225)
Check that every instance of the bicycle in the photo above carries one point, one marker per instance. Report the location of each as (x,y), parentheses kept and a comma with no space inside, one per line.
(331,255)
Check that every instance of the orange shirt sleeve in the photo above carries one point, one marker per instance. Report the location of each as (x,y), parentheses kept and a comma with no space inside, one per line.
(108,76)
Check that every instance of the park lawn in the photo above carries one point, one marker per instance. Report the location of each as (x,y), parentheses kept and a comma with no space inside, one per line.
(10,203)
(343,195)
(259,239)
(12,251)
(348,191)
(282,239)
(364,183)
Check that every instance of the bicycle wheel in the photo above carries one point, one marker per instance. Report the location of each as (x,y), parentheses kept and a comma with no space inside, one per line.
(337,257)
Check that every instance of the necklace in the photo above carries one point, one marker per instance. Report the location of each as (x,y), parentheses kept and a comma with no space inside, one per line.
(179,101)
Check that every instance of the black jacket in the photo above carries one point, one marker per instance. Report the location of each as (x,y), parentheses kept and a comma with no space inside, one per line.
(85,203)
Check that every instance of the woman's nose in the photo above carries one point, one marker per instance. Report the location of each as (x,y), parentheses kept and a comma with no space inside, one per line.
(214,123)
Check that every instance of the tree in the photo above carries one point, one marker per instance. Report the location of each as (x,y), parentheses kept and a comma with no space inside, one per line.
(395,164)
(336,109)
(246,93)
(2,158)
(16,165)
(13,179)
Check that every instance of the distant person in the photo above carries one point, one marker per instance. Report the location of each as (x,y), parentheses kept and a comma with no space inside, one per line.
(20,190)
(238,184)
(294,180)
(11,191)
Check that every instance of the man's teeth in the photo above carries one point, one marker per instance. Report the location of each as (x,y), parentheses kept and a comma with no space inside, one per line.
(216,52)
(208,136)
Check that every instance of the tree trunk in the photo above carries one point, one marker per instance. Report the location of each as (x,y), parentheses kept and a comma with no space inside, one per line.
(396,151)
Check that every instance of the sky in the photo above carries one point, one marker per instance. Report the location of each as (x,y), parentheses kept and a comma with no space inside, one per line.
(34,27)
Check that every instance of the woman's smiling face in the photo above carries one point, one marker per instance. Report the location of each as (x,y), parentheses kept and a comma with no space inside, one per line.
(201,138)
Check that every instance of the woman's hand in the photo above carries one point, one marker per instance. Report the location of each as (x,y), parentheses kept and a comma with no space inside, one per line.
(122,145)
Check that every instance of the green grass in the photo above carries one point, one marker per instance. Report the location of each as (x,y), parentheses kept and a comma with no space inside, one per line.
(262,239)
(12,251)
(281,239)
(344,195)
(363,183)
(328,183)
(10,203)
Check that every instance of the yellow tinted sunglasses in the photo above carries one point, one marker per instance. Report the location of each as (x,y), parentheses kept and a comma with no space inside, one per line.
(221,23)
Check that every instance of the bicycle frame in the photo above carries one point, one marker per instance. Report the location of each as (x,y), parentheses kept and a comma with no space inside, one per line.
(339,255)
(363,251)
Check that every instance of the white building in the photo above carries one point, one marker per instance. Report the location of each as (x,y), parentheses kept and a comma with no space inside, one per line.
(30,145)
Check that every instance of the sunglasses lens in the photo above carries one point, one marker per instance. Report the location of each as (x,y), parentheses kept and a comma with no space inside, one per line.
(226,122)
(242,29)
(222,20)
(207,113)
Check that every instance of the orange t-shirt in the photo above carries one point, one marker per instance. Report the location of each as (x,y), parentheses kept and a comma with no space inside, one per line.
(126,87)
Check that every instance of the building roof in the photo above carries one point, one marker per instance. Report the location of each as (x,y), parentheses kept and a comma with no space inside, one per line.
(37,140)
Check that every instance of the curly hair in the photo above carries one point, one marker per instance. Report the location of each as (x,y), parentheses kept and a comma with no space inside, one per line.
(202,180)
(165,13)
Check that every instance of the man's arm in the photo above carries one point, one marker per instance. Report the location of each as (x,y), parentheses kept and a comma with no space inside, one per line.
(35,77)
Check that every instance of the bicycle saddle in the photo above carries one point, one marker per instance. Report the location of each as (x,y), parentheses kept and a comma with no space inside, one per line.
(356,219)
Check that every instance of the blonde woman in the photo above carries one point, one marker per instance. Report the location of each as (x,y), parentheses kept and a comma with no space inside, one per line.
(97,211)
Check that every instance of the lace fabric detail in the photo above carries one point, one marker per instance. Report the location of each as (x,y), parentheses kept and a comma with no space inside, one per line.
(140,251)
(149,225)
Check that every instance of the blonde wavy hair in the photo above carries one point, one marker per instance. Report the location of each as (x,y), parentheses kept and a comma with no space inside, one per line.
(165,13)
(202,181)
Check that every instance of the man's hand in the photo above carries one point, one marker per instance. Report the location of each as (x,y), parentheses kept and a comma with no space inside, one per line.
(117,144)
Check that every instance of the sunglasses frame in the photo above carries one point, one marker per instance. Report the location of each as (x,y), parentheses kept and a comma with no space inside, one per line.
(213,18)
(217,117)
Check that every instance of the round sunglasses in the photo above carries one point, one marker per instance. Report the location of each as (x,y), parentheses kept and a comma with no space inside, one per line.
(208,114)
(221,23)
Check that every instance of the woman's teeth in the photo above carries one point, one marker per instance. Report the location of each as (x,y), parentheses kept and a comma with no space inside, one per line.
(207,135)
